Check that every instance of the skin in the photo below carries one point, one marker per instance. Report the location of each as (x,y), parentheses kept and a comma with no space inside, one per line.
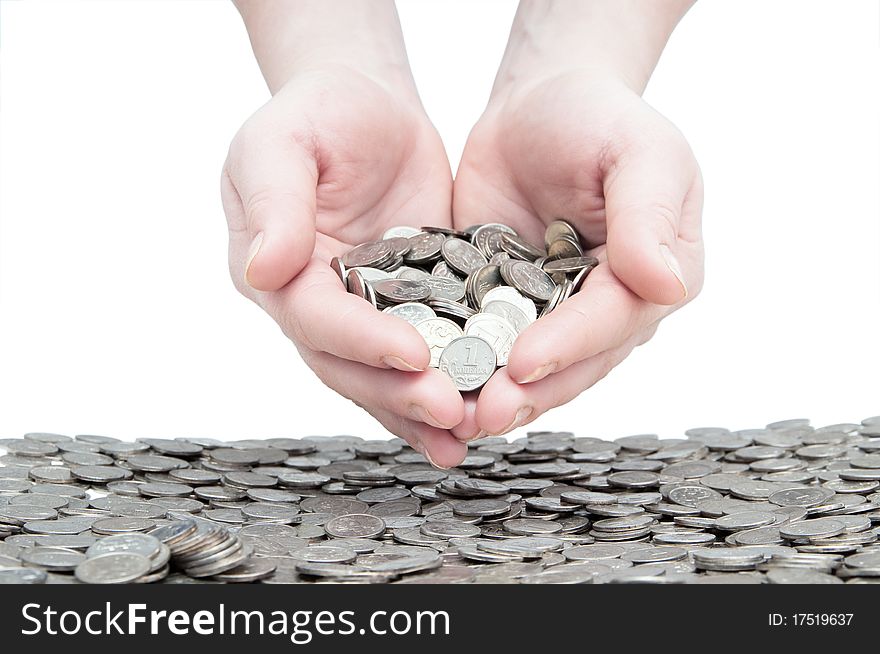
(344,150)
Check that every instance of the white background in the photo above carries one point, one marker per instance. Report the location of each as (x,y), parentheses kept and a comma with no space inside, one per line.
(117,315)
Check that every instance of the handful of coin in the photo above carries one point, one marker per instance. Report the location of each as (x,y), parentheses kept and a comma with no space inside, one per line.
(468,293)
(787,503)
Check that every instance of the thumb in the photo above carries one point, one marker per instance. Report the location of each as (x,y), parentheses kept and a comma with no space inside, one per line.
(276,182)
(644,196)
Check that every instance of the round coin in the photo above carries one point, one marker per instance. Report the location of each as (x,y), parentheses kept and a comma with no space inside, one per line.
(469,361)
(113,568)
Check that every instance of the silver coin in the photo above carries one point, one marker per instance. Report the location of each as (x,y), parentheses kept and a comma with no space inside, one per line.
(520,248)
(415,274)
(368,254)
(744,520)
(461,256)
(527,278)
(816,528)
(143,544)
(359,525)
(570,265)
(803,497)
(424,247)
(449,529)
(113,568)
(441,269)
(523,546)
(325,554)
(444,288)
(496,331)
(438,333)
(559,229)
(412,312)
(692,495)
(248,572)
(52,558)
(513,314)
(468,360)
(483,235)
(398,291)
(514,297)
(372,275)
(22,576)
(400,231)
(481,281)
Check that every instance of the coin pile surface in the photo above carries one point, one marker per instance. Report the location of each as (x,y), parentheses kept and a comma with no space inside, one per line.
(468,293)
(788,503)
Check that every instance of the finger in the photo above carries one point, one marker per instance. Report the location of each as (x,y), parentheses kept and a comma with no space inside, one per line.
(316,311)
(601,316)
(275,182)
(644,194)
(468,429)
(429,397)
(505,405)
(437,445)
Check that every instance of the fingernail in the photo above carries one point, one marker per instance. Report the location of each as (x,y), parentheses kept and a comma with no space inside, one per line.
(420,413)
(521,416)
(674,267)
(399,364)
(252,253)
(539,373)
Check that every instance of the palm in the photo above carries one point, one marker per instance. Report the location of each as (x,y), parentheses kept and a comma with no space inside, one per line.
(380,163)
(529,166)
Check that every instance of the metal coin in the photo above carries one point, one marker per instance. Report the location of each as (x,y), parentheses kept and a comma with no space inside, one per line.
(398,291)
(468,360)
(360,525)
(113,568)
(438,334)
(368,254)
(527,278)
(412,312)
(496,331)
(461,256)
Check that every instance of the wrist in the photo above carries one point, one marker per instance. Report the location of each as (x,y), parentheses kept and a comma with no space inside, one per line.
(599,39)
(295,38)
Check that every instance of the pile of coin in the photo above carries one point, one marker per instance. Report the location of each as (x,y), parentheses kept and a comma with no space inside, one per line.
(787,503)
(468,293)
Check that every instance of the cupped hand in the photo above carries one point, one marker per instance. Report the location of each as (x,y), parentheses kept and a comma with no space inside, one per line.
(593,152)
(332,161)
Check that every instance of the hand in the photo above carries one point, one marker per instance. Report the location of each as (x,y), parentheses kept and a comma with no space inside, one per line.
(332,160)
(587,148)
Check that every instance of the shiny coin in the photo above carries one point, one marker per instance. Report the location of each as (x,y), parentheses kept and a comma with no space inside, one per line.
(496,331)
(468,360)
(438,334)
(398,291)
(528,279)
(52,558)
(113,568)
(461,256)
(412,312)
(359,525)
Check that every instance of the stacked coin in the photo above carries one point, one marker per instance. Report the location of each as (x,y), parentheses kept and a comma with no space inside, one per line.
(468,293)
(787,503)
